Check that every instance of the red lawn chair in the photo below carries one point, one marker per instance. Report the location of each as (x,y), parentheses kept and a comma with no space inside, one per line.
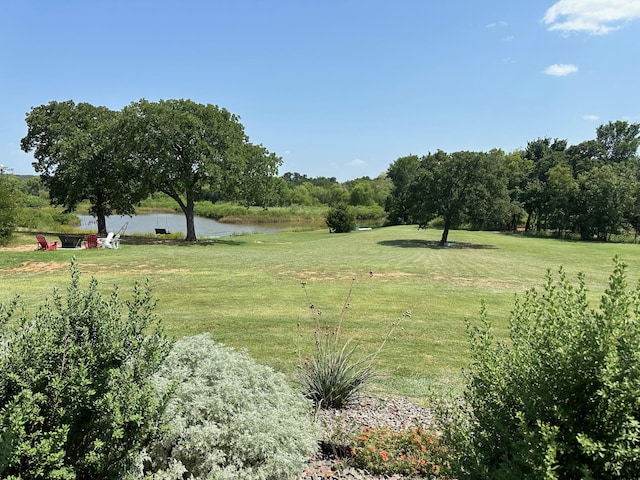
(92,241)
(44,245)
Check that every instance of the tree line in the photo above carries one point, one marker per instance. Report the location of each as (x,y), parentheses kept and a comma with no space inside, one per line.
(188,151)
(193,152)
(591,189)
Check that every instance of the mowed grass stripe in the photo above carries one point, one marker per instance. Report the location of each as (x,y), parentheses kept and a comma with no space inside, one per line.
(248,290)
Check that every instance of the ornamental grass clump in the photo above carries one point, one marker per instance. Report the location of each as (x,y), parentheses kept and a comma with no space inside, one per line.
(334,375)
(561,399)
(228,418)
(410,451)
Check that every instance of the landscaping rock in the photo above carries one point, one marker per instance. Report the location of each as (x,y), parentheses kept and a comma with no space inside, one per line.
(338,424)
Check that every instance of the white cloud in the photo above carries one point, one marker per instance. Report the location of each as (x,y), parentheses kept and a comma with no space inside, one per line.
(501,23)
(561,69)
(357,163)
(594,16)
(591,118)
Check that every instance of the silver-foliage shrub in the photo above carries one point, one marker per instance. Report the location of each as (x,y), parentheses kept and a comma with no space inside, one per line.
(228,418)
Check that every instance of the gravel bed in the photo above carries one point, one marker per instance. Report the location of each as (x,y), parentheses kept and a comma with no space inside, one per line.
(394,413)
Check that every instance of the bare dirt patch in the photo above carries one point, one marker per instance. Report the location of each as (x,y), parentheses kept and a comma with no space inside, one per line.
(19,248)
(29,267)
(317,276)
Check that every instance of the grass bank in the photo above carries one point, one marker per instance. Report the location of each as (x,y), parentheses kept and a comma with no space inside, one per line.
(254,291)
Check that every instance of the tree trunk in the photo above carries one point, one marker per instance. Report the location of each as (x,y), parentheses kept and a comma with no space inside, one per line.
(190,217)
(445,235)
(101,219)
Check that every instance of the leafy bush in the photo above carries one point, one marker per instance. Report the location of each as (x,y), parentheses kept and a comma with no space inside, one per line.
(76,395)
(229,418)
(410,451)
(341,219)
(561,399)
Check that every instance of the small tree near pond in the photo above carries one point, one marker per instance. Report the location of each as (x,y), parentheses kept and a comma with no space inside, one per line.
(341,219)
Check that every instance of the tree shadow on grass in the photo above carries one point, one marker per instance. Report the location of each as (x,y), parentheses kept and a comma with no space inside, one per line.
(207,242)
(414,243)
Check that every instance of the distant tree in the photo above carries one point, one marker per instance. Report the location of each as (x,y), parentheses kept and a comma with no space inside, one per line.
(341,219)
(606,196)
(401,173)
(516,169)
(184,146)
(381,186)
(492,207)
(303,195)
(458,187)
(633,216)
(78,156)
(361,194)
(256,184)
(544,153)
(563,192)
(620,140)
(338,194)
(7,205)
(295,178)
(585,156)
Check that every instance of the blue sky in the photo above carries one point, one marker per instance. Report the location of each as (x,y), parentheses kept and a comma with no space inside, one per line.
(336,88)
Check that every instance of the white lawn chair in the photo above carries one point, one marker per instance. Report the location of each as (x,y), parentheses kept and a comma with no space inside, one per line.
(106,242)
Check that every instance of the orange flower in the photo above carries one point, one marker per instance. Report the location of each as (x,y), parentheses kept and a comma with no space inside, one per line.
(436,468)
(384,455)
(423,448)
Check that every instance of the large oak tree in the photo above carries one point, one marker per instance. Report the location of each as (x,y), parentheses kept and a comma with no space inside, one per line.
(460,187)
(184,147)
(78,152)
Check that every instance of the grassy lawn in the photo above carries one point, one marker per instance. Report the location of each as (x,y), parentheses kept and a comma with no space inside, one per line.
(248,290)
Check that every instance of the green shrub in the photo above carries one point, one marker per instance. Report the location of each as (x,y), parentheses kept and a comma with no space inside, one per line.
(229,418)
(561,399)
(341,219)
(76,396)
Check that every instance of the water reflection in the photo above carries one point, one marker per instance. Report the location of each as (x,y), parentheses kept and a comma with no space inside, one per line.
(173,223)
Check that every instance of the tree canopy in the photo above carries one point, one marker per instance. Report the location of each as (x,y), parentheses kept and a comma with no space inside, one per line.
(458,187)
(7,206)
(183,147)
(78,154)
(591,189)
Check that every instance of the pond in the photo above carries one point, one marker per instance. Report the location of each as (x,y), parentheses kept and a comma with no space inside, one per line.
(175,223)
